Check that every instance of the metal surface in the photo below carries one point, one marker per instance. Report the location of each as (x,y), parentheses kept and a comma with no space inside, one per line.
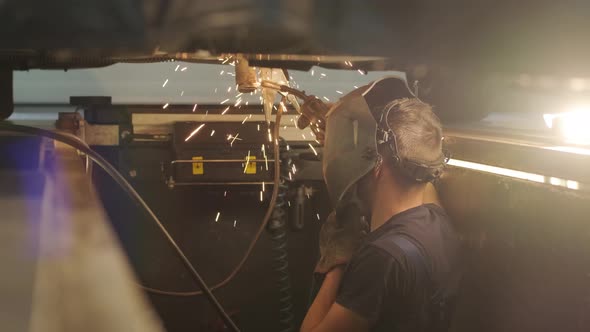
(508,150)
(505,38)
(82,280)
(102,135)
(216,161)
(157,123)
(526,253)
(526,238)
(6,93)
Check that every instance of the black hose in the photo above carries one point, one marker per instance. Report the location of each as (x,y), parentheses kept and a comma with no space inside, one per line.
(278,233)
(78,144)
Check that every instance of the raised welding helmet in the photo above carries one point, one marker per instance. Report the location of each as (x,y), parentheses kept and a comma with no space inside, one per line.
(355,127)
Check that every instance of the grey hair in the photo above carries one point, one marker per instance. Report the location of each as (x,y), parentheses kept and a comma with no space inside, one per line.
(417,129)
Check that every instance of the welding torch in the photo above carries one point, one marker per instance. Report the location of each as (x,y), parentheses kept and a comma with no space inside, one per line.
(312,112)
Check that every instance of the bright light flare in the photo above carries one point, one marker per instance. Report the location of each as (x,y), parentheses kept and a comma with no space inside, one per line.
(574,125)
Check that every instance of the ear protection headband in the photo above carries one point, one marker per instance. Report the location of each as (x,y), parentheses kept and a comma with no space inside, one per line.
(416,170)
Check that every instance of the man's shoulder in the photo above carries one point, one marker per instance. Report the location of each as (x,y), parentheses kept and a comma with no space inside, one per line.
(426,226)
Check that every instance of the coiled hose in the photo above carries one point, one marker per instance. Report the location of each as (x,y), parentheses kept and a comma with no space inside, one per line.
(277,227)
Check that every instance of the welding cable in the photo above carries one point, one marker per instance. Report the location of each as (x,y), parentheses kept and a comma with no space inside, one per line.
(261,228)
(78,144)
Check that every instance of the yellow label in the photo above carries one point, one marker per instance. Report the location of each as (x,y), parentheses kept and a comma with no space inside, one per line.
(251,166)
(198,167)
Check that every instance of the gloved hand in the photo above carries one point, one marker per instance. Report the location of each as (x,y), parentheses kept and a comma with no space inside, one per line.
(340,237)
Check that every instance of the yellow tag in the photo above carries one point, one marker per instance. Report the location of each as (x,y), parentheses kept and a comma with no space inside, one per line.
(251,166)
(198,167)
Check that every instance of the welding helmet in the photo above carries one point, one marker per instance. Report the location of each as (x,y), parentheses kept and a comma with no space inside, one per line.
(355,127)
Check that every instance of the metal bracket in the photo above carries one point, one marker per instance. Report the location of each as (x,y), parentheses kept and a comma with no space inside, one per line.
(171,181)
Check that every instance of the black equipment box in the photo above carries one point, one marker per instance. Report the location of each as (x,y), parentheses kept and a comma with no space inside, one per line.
(222,153)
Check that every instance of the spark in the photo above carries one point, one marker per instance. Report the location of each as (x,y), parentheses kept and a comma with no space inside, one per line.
(246,118)
(258,126)
(318,215)
(238,102)
(326,98)
(225,194)
(289,203)
(317,141)
(361,72)
(354,86)
(165,82)
(212,132)
(290,176)
(215,90)
(229,89)
(250,116)
(232,63)
(194,108)
(226,60)
(312,72)
(265,158)
(339,92)
(239,94)
(221,72)
(225,110)
(323,75)
(177,66)
(288,148)
(261,196)
(233,139)
(225,101)
(303,135)
(294,169)
(235,222)
(284,127)
(217,217)
(247,103)
(165,106)
(247,161)
(269,136)
(183,69)
(263,186)
(182,93)
(194,132)
(313,149)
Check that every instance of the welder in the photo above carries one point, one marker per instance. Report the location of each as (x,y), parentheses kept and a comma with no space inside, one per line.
(388,254)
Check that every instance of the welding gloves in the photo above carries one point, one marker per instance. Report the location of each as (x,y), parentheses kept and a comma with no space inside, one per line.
(340,236)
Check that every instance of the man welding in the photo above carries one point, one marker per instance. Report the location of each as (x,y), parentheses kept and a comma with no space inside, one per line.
(388,256)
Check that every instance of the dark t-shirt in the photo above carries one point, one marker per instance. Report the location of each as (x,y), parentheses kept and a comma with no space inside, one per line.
(384,285)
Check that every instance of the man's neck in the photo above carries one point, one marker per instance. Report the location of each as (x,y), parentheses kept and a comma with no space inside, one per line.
(391,201)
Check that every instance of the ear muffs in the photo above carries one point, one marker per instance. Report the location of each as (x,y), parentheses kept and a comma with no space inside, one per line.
(416,170)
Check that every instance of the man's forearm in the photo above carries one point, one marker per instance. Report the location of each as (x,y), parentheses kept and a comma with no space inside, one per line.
(323,301)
